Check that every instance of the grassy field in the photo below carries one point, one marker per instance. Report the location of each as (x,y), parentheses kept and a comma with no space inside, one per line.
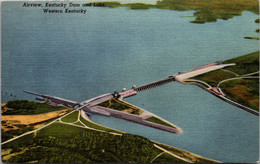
(244,64)
(60,143)
(214,77)
(159,121)
(111,103)
(40,108)
(205,10)
(78,123)
(71,117)
(99,127)
(244,91)
(121,106)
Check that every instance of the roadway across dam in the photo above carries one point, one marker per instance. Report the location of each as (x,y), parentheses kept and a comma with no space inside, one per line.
(177,77)
(134,90)
(154,84)
(182,76)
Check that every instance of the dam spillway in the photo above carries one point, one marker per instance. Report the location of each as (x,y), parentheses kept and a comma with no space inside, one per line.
(154,84)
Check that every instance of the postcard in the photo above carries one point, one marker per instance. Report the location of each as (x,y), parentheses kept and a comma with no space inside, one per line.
(130,81)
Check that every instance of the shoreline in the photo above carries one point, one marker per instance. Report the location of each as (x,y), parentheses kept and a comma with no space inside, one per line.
(187,153)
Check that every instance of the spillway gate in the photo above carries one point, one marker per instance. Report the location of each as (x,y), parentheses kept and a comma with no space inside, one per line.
(154,84)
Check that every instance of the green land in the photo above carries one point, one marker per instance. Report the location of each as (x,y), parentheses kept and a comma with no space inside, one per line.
(244,64)
(62,143)
(73,117)
(25,107)
(79,120)
(241,82)
(252,37)
(10,134)
(97,126)
(121,106)
(214,77)
(205,10)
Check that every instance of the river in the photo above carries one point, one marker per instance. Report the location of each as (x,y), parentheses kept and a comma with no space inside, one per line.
(80,56)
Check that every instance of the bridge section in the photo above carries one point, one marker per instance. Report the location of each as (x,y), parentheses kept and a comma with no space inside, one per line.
(154,84)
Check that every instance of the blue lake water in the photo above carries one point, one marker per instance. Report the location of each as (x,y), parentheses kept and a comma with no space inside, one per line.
(78,57)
